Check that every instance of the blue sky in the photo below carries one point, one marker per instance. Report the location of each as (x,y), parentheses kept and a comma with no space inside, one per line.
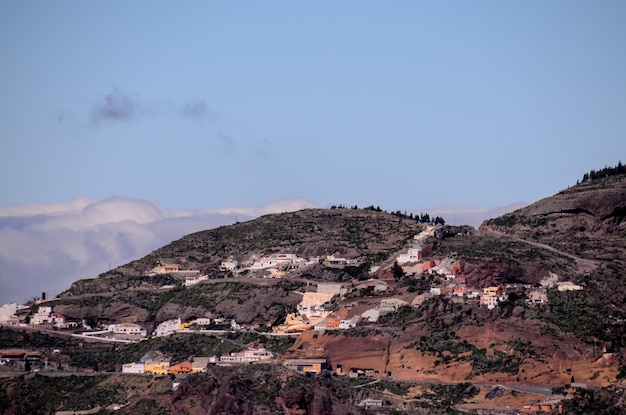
(401,104)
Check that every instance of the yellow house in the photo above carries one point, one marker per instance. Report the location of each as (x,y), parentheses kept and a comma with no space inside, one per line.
(491,291)
(158,368)
(165,268)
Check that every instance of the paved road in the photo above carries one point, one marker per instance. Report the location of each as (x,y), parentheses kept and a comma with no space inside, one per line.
(583,264)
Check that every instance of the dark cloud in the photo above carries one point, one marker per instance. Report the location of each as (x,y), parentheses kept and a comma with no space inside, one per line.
(195,109)
(117,106)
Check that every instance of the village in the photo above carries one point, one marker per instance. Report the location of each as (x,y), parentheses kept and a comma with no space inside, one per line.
(324,307)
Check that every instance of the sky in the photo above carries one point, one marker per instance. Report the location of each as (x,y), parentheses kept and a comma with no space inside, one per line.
(202,105)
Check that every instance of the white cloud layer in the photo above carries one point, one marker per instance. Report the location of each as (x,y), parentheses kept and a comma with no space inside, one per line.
(46,247)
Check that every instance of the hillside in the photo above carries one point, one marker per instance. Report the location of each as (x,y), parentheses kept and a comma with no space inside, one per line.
(127,294)
(560,263)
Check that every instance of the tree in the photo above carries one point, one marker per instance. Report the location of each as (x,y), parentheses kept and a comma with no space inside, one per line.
(398,272)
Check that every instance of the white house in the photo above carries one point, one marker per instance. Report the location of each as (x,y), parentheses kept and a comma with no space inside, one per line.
(203,321)
(435,290)
(168,327)
(371,315)
(127,329)
(133,368)
(336,262)
(568,286)
(490,301)
(194,279)
(229,265)
(42,316)
(256,355)
(414,254)
(349,323)
(276,261)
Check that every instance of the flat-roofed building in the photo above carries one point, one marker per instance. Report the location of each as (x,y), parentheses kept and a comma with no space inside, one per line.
(306,365)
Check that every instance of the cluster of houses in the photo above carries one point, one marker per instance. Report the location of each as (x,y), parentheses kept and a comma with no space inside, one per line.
(161,365)
(313,312)
(276,264)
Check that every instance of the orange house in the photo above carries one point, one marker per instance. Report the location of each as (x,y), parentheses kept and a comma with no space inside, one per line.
(333,323)
(184,367)
(460,291)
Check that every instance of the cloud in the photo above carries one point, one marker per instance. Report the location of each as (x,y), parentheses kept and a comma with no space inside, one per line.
(197,109)
(46,247)
(117,106)
(120,107)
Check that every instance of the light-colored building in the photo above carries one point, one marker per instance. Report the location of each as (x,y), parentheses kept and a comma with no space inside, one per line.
(312,304)
(127,329)
(491,291)
(42,316)
(349,323)
(277,261)
(490,301)
(331,288)
(247,356)
(371,315)
(166,268)
(388,305)
(199,364)
(435,290)
(306,365)
(371,403)
(168,327)
(203,321)
(568,286)
(157,367)
(229,265)
(335,262)
(194,279)
(133,368)
(414,254)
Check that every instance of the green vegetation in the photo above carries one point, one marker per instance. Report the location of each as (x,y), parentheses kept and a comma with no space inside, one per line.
(180,347)
(590,316)
(446,396)
(45,395)
(403,315)
(498,362)
(605,172)
(607,401)
(271,343)
(13,338)
(397,388)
